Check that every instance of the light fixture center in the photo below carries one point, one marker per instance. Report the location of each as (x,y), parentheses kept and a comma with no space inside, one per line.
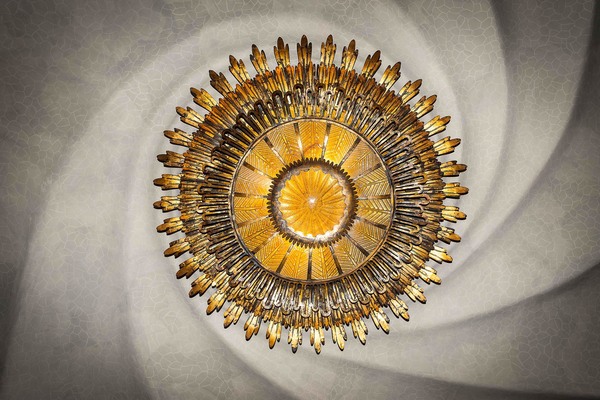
(312,202)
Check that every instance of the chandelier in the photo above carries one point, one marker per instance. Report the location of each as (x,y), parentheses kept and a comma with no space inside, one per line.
(310,196)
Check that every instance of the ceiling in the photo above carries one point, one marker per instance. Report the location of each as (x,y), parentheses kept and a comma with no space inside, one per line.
(90,308)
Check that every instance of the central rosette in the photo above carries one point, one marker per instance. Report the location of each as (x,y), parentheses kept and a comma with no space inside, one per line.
(312,202)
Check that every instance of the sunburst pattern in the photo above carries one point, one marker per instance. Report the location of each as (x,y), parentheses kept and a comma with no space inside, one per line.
(310,196)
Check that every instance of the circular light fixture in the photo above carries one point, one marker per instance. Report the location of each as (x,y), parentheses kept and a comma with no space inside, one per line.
(310,195)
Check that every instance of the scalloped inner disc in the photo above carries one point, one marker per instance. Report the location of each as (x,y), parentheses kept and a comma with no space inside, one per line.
(313,202)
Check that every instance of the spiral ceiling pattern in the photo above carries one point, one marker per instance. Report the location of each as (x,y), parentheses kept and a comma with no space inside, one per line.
(89,306)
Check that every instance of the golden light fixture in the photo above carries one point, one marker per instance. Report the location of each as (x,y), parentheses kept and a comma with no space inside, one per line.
(311,195)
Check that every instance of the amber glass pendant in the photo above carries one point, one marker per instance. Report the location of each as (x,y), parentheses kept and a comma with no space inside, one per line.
(310,195)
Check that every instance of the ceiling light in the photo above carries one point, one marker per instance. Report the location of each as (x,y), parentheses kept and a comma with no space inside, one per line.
(310,196)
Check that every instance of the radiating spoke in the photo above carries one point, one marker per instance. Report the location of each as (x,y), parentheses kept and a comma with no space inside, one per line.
(251,221)
(336,261)
(299,138)
(377,197)
(258,171)
(325,140)
(285,257)
(252,196)
(274,150)
(267,240)
(309,272)
(367,171)
(368,221)
(350,150)
(358,246)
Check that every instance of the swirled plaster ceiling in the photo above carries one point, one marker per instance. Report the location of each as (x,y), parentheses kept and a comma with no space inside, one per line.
(89,308)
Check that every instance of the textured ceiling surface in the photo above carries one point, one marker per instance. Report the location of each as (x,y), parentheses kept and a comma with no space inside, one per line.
(90,308)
